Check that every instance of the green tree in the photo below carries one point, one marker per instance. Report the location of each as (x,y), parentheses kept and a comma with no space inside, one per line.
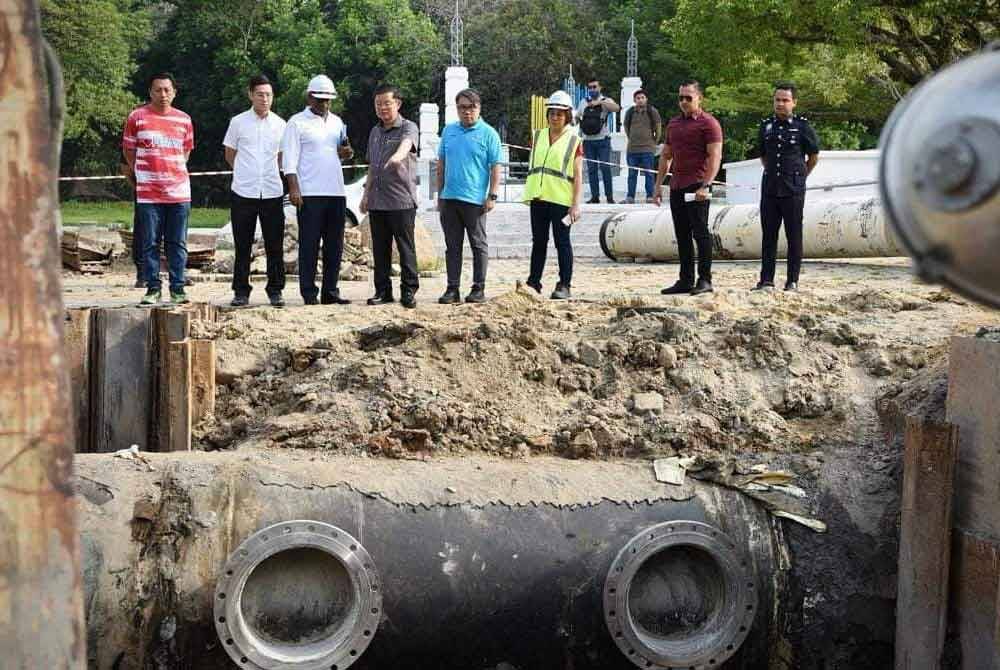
(526,47)
(214,46)
(96,42)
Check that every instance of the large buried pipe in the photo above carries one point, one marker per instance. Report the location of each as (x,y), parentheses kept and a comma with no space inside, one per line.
(509,569)
(831,229)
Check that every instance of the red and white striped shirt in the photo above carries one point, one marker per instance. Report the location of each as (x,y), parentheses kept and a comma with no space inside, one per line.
(161,143)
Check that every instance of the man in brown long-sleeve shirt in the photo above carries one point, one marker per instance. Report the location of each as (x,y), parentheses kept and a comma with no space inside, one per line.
(694,147)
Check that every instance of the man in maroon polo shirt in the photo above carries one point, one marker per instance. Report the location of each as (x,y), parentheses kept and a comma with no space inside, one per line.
(693,146)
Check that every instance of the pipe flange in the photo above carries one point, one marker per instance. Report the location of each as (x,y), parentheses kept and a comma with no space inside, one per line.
(679,596)
(960,169)
(299,594)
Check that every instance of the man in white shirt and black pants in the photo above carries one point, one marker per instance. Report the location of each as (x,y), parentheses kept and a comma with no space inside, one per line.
(312,147)
(252,146)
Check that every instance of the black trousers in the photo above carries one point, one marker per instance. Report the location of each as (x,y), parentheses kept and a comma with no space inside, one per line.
(690,227)
(321,220)
(545,215)
(386,226)
(774,211)
(244,213)
(457,219)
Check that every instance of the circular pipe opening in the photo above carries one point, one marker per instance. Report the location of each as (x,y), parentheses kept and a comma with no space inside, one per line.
(297,597)
(300,594)
(677,593)
(678,596)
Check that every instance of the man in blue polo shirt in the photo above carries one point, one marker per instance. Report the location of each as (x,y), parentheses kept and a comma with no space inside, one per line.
(468,173)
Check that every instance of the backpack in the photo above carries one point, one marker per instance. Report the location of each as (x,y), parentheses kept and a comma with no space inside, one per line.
(592,120)
(628,118)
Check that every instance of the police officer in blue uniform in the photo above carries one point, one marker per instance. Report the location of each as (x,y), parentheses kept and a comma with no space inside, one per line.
(789,151)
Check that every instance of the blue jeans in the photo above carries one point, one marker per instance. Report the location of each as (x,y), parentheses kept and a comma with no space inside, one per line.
(640,160)
(164,223)
(598,150)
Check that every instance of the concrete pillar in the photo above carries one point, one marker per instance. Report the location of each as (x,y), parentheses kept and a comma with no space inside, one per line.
(629,86)
(456,78)
(430,120)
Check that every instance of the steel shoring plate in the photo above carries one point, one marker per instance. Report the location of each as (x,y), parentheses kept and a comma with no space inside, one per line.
(679,596)
(300,595)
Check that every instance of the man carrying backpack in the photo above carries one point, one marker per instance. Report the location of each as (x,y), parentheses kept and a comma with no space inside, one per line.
(642,127)
(592,113)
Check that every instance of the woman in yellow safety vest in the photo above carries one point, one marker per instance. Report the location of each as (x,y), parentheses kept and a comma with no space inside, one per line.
(553,190)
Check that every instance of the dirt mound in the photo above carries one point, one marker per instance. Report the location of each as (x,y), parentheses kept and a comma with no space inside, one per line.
(521,375)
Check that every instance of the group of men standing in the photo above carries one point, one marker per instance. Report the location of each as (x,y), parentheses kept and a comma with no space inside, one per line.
(309,148)
(260,146)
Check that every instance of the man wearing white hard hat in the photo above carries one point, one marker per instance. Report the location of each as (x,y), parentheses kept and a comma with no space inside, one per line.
(314,143)
(553,191)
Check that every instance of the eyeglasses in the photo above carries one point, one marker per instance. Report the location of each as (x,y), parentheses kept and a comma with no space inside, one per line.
(685,98)
(466,108)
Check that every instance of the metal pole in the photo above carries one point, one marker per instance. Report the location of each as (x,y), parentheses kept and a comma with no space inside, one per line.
(41,613)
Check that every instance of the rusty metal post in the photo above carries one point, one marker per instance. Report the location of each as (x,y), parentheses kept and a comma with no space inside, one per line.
(41,613)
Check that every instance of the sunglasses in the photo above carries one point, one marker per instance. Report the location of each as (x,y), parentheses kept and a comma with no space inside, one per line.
(685,98)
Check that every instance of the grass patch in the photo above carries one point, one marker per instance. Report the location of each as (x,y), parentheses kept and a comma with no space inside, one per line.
(119,214)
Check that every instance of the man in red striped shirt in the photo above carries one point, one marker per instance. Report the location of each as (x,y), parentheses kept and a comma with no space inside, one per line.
(157,142)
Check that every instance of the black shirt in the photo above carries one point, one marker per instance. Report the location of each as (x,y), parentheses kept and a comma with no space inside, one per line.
(784,145)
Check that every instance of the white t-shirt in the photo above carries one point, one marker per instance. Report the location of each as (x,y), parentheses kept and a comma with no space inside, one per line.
(309,151)
(257,142)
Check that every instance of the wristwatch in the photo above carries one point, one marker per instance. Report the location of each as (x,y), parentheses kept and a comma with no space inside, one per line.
(494,196)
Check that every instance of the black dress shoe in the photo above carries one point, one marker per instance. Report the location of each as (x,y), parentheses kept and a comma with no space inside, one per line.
(593,201)
(677,289)
(450,297)
(535,285)
(313,300)
(763,286)
(276,300)
(792,286)
(408,301)
(611,200)
(703,286)
(381,299)
(334,299)
(476,295)
(239,301)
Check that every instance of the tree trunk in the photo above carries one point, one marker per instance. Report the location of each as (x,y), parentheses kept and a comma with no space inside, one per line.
(41,617)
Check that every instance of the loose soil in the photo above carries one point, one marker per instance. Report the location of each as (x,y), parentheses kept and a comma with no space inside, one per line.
(618,372)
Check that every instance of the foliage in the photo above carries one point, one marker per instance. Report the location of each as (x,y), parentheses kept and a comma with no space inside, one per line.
(119,215)
(852,59)
(96,43)
(857,56)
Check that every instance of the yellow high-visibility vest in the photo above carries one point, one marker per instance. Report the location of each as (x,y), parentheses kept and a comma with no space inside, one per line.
(552,168)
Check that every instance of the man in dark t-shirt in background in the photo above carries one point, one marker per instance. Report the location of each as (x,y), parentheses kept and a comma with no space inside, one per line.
(693,146)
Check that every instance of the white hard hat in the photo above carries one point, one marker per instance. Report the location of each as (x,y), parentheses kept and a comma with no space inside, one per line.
(559,100)
(321,87)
